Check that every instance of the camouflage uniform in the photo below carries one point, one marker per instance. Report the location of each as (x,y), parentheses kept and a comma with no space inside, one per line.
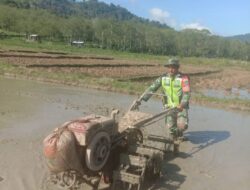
(177,91)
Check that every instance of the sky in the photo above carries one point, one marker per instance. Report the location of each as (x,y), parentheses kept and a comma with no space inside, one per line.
(221,17)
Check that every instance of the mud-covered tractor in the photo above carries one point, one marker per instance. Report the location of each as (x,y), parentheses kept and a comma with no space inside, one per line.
(96,149)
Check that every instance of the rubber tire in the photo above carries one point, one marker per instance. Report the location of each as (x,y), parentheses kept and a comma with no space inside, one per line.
(89,157)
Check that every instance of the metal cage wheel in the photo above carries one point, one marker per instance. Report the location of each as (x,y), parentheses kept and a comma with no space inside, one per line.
(69,178)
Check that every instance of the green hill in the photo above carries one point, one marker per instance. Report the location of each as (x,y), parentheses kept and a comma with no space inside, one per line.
(86,8)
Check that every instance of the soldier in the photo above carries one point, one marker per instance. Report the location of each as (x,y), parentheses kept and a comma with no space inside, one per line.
(176,88)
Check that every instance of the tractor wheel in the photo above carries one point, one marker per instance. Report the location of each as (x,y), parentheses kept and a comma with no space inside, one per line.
(98,151)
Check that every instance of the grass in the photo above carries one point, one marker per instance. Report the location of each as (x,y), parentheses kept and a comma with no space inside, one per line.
(216,62)
(71,78)
(5,68)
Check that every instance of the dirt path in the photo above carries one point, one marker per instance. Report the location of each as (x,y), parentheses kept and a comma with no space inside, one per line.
(216,157)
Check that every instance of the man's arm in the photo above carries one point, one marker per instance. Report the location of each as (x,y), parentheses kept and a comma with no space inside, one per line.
(186,92)
(153,88)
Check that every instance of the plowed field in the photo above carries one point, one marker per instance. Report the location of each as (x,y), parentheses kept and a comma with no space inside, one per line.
(202,76)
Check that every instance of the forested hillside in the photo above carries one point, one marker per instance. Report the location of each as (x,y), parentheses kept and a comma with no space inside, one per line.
(113,27)
(242,38)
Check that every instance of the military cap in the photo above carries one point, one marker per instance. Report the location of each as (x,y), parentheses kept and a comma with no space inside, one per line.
(172,62)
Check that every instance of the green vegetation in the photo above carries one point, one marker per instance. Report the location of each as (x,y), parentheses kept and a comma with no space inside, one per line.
(243,37)
(110,27)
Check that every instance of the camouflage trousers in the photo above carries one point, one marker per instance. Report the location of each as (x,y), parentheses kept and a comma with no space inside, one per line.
(177,123)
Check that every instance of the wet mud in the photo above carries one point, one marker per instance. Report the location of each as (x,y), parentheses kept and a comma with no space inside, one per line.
(215,157)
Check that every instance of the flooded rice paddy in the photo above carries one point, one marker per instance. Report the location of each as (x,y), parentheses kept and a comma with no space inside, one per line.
(215,157)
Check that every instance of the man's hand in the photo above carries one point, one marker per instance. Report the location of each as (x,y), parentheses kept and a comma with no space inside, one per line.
(180,108)
(137,103)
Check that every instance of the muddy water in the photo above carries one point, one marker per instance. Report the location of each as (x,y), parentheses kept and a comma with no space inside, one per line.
(215,157)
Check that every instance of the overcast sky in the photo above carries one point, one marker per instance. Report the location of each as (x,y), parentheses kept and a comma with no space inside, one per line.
(222,17)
